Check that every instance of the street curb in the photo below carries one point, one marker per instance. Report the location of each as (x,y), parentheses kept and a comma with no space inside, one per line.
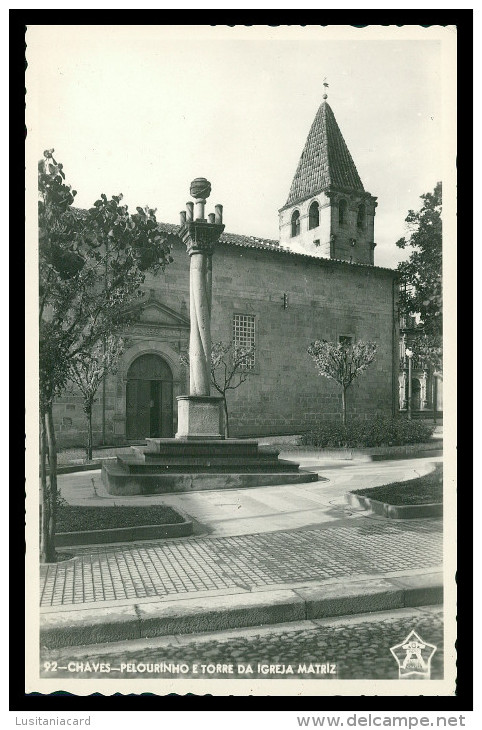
(73,468)
(84,626)
(395,511)
(125,534)
(371,453)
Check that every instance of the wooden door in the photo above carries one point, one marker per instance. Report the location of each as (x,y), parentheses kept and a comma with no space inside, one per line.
(149,394)
(166,409)
(138,398)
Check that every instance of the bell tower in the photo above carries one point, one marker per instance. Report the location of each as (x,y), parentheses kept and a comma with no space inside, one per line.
(328,213)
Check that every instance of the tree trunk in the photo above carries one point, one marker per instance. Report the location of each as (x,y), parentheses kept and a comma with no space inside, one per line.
(89,434)
(50,500)
(44,493)
(343,405)
(226,420)
(434,398)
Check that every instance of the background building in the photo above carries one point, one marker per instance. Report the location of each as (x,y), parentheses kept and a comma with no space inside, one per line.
(317,282)
(426,391)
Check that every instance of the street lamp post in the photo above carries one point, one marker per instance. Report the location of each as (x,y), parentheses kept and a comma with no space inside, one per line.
(409,354)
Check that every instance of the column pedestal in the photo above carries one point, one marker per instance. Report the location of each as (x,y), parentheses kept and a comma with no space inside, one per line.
(199,417)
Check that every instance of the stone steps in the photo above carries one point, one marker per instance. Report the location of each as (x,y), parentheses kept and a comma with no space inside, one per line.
(138,466)
(203,447)
(119,481)
(180,465)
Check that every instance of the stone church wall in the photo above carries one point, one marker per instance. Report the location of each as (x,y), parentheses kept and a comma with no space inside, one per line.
(284,394)
(325,301)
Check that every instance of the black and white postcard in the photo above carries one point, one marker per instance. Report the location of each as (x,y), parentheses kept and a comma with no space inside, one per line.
(241,376)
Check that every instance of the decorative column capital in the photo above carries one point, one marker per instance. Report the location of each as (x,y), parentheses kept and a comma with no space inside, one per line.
(200,236)
(196,232)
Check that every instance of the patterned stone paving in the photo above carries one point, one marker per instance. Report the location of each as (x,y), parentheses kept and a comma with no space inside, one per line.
(172,567)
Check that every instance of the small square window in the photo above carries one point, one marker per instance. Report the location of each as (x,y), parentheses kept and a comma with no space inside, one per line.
(345,340)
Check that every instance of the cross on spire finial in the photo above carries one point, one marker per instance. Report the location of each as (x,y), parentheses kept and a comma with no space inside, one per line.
(326,85)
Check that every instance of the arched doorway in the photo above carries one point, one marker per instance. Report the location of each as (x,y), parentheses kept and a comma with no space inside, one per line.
(149,407)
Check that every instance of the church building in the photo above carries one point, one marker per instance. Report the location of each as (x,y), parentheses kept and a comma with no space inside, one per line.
(318,281)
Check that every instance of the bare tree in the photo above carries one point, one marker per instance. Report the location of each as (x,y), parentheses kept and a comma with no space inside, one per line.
(88,371)
(230,367)
(342,362)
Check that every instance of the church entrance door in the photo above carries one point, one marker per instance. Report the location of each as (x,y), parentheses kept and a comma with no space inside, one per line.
(149,407)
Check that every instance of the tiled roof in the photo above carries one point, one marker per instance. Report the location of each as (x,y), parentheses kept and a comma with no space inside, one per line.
(235,238)
(325,160)
(268,244)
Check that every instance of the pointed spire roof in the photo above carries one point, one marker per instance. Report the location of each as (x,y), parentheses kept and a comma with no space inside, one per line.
(325,160)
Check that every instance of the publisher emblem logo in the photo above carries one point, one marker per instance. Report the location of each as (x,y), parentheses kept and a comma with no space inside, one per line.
(413,656)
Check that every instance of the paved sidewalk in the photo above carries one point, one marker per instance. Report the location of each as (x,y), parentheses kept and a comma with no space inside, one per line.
(345,542)
(262,509)
(168,568)
(333,560)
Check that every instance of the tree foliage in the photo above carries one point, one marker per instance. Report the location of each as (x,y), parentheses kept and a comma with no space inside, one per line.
(91,266)
(342,362)
(422,272)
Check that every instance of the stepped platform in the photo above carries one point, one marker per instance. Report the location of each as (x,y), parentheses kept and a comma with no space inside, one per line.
(188,465)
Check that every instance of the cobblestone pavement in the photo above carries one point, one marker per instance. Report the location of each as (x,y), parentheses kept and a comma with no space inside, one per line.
(358,646)
(173,567)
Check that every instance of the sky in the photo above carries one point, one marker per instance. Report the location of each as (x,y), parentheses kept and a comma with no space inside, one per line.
(143,110)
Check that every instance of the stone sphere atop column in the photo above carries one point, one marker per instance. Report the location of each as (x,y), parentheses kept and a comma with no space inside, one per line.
(200,188)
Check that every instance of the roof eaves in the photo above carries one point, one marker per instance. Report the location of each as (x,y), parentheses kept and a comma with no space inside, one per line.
(321,259)
(267,244)
(237,239)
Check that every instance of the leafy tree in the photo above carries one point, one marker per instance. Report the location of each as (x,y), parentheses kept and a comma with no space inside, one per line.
(228,370)
(89,369)
(91,266)
(342,362)
(422,272)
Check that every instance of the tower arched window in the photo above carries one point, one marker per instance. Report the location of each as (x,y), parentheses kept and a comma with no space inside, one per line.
(342,210)
(360,219)
(295,223)
(314,215)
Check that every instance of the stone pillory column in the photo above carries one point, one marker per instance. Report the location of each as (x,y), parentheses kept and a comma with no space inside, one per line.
(200,414)
(199,457)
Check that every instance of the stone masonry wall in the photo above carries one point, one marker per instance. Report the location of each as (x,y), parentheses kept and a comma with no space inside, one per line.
(284,394)
(325,300)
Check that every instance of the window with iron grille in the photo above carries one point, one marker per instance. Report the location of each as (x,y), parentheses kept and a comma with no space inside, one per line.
(244,337)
